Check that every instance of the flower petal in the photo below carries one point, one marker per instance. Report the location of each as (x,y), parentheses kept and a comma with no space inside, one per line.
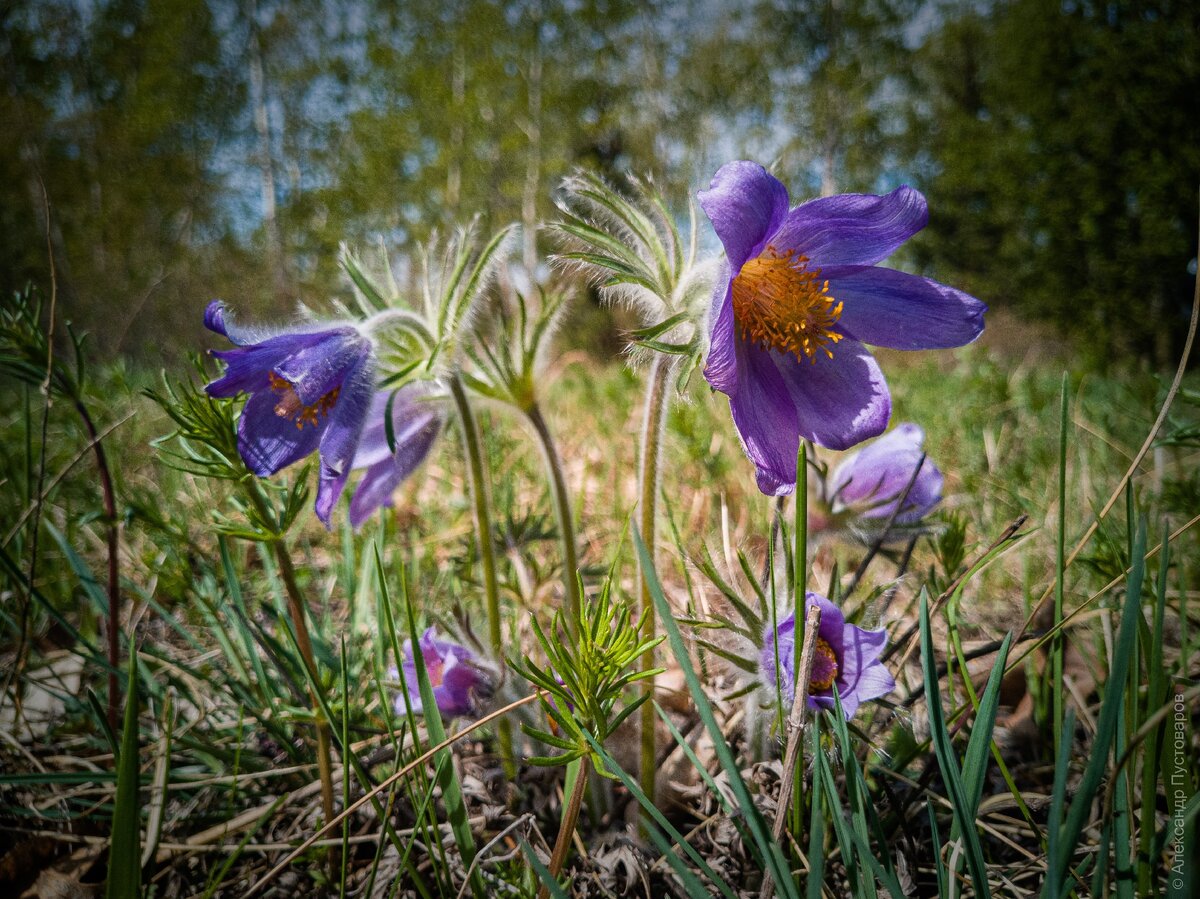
(248,368)
(219,319)
(373,491)
(346,419)
(853,229)
(840,401)
(269,442)
(871,480)
(894,309)
(834,402)
(329,490)
(745,204)
(766,422)
(317,369)
(454,697)
(721,367)
(413,414)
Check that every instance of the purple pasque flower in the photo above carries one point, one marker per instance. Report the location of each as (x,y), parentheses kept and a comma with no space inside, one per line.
(845,655)
(800,299)
(310,389)
(457,679)
(869,483)
(416,423)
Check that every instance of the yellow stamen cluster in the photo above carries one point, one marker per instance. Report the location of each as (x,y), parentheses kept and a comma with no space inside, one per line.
(289,405)
(824,651)
(780,304)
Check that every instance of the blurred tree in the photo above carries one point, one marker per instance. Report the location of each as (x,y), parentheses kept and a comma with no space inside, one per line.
(114,112)
(1060,145)
(837,72)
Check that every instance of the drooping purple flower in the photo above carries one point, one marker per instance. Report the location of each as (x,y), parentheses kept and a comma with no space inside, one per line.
(869,483)
(416,423)
(800,298)
(310,389)
(459,682)
(845,655)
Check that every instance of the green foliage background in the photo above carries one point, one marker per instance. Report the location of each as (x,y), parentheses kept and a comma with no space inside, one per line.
(163,152)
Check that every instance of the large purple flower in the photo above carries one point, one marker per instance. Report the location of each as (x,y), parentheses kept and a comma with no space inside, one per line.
(310,388)
(800,299)
(870,482)
(458,681)
(416,423)
(846,655)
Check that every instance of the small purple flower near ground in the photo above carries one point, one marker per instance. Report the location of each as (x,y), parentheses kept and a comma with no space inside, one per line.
(846,655)
(800,298)
(310,389)
(459,682)
(416,424)
(869,483)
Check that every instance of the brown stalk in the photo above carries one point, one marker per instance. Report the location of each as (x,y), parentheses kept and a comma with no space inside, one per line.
(566,829)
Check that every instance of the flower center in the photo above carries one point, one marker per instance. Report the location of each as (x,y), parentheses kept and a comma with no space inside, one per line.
(289,405)
(780,304)
(824,669)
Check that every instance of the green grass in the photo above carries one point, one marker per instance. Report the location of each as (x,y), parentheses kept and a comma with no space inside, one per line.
(885,799)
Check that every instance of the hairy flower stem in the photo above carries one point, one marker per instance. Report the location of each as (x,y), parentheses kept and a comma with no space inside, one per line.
(481,498)
(566,828)
(566,521)
(652,427)
(296,609)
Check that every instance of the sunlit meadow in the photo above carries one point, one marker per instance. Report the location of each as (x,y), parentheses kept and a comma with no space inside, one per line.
(825,581)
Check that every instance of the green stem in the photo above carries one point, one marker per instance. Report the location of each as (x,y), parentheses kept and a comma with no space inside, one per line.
(296,609)
(1056,646)
(566,521)
(567,828)
(481,499)
(652,427)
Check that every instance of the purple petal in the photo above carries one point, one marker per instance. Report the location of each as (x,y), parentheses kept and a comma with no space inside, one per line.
(317,369)
(269,442)
(853,229)
(871,480)
(833,622)
(329,490)
(721,367)
(862,676)
(745,204)
(454,697)
(214,317)
(834,402)
(413,414)
(346,419)
(893,309)
(373,491)
(248,368)
(218,318)
(840,401)
(382,478)
(765,418)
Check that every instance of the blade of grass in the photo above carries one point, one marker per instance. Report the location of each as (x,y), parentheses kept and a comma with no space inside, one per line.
(948,760)
(125,854)
(1057,884)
